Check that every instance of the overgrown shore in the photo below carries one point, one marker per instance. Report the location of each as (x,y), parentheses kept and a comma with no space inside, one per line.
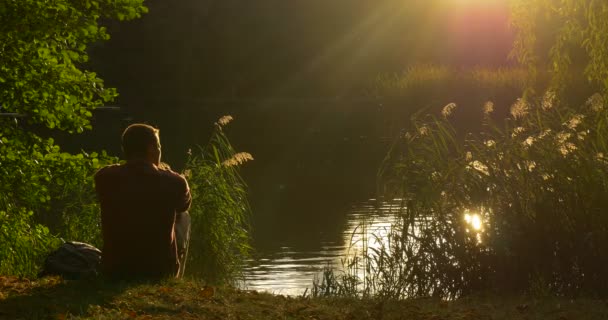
(54,298)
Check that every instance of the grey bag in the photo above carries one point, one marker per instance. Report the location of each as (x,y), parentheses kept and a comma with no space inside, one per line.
(73,260)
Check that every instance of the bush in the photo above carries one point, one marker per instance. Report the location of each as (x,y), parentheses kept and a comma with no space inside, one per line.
(25,243)
(45,194)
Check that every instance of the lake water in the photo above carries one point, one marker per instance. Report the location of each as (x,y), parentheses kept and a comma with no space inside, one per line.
(310,183)
(290,269)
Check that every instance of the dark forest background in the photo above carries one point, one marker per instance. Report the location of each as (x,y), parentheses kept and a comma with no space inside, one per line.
(297,76)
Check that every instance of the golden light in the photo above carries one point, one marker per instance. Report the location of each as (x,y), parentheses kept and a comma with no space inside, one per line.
(477,2)
(477,30)
(474,220)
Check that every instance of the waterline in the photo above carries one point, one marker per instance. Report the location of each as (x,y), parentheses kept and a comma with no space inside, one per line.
(290,271)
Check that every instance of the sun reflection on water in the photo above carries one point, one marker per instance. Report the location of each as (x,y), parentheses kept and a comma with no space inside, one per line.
(475,225)
(473,220)
(290,271)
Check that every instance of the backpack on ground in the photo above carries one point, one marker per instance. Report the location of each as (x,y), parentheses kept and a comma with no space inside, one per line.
(73,260)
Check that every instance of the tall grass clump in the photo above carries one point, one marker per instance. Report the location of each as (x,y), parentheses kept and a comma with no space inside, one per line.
(220,210)
(516,207)
(45,195)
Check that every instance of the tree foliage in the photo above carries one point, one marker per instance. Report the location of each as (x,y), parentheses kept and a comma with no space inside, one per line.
(561,36)
(42,46)
(42,52)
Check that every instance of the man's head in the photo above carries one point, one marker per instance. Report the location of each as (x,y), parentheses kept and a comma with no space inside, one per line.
(140,142)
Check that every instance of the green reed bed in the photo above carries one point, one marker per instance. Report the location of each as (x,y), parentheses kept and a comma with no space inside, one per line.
(51,197)
(220,210)
(517,207)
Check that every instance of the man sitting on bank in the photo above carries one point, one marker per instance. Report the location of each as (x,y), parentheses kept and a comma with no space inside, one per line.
(143,204)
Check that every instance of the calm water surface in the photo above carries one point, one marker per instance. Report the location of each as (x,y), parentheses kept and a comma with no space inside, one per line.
(290,270)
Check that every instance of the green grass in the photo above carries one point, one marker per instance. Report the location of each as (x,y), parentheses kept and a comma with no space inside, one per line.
(53,298)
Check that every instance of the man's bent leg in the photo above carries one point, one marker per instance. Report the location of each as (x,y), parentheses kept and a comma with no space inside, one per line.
(182,235)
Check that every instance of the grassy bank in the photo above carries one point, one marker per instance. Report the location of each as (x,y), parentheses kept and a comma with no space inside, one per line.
(54,298)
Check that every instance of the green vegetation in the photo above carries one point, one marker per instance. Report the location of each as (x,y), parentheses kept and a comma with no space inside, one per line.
(56,299)
(220,211)
(561,38)
(68,208)
(502,206)
(47,195)
(536,184)
(43,47)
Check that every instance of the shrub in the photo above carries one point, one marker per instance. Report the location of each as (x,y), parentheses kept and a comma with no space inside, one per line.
(24,242)
(45,194)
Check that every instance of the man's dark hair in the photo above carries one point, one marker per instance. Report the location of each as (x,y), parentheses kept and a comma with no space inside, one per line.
(137,138)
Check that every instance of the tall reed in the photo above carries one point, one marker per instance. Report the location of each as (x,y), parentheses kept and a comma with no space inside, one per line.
(220,210)
(516,207)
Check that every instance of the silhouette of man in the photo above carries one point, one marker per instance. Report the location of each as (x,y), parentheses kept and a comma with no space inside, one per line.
(144,218)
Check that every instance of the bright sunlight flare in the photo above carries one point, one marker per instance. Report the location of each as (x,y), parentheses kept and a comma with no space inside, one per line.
(473,220)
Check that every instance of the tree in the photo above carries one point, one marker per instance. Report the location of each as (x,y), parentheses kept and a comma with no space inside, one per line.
(42,51)
(558,35)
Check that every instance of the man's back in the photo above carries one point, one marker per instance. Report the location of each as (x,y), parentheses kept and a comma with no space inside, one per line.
(138,207)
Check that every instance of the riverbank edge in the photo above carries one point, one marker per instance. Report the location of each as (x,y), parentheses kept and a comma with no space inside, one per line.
(55,298)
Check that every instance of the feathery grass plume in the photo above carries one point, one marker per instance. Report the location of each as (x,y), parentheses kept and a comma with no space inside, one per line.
(223,121)
(520,109)
(549,100)
(596,102)
(582,135)
(562,137)
(408,136)
(237,159)
(517,131)
(545,133)
(528,142)
(479,166)
(423,130)
(448,109)
(574,121)
(564,146)
(567,148)
(530,164)
(488,108)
